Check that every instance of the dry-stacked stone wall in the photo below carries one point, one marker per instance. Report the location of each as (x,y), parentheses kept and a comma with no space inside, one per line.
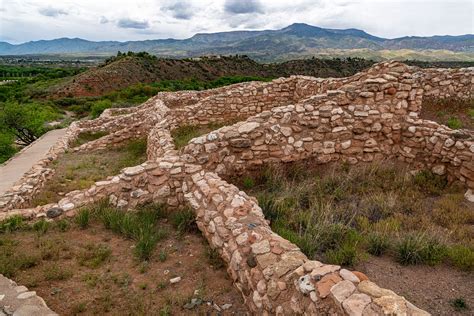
(19,301)
(370,116)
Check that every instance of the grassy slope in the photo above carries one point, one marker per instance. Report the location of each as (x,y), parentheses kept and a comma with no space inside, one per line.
(132,70)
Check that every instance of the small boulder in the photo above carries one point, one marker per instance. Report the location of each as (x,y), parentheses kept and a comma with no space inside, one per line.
(54,212)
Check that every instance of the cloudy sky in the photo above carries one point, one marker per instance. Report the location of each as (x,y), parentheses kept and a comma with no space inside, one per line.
(25,20)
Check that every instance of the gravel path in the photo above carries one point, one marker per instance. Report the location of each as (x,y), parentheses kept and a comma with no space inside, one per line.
(14,169)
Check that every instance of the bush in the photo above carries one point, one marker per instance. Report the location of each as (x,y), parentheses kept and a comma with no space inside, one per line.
(462,257)
(214,258)
(377,244)
(345,255)
(417,249)
(11,224)
(100,106)
(7,149)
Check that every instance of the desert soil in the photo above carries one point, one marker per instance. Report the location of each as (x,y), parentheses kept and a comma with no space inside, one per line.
(430,288)
(124,286)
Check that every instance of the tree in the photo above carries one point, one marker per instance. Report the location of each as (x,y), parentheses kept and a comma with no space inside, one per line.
(25,121)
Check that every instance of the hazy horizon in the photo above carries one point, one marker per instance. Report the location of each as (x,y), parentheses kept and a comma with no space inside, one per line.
(118,20)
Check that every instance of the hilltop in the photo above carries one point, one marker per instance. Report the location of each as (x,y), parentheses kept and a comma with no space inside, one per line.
(121,72)
(295,41)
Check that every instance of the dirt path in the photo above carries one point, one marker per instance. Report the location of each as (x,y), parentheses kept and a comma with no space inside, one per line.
(14,169)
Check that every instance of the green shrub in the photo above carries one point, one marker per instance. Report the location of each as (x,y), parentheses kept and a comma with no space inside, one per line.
(462,257)
(146,243)
(409,250)
(83,217)
(184,220)
(433,252)
(248,183)
(139,226)
(417,249)
(454,123)
(377,244)
(345,250)
(345,255)
(100,106)
(11,224)
(41,226)
(471,113)
(7,148)
(162,257)
(459,304)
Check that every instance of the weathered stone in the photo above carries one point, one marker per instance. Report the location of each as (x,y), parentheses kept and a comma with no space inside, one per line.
(355,304)
(326,283)
(342,290)
(348,275)
(248,127)
(373,289)
(323,270)
(391,305)
(261,247)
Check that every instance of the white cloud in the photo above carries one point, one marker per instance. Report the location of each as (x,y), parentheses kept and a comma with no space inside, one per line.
(150,19)
(52,12)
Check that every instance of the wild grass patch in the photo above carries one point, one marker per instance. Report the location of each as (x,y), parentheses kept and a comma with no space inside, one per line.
(183,134)
(80,170)
(93,255)
(339,214)
(141,226)
(86,137)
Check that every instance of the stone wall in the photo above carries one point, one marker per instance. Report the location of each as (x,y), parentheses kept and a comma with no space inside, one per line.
(17,300)
(370,116)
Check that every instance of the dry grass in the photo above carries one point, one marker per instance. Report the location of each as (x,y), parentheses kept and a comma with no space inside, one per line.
(339,213)
(99,269)
(183,134)
(77,171)
(454,112)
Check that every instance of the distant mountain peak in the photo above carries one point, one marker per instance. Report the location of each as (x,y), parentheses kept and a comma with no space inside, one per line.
(297,39)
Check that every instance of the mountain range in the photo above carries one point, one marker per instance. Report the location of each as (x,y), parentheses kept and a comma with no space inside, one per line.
(295,41)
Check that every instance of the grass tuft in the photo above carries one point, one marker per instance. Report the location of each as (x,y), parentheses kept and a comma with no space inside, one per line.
(41,226)
(11,224)
(94,256)
(184,220)
(83,217)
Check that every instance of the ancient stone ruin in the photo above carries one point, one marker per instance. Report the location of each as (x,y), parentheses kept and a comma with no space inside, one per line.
(371,116)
